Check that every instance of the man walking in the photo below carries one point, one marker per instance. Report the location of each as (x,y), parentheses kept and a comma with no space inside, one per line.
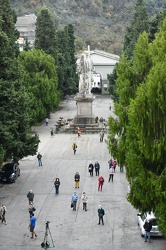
(147,226)
(101,214)
(32,225)
(100,183)
(84,201)
(77,180)
(97,167)
(39,157)
(57,184)
(101,135)
(74,147)
(3,211)
(74,199)
(30,196)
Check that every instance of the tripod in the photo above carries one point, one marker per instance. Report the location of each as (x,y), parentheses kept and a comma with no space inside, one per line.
(46,244)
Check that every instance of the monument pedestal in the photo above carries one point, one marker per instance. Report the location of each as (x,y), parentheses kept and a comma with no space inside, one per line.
(84,109)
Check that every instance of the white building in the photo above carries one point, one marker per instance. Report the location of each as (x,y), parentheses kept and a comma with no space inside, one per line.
(103,64)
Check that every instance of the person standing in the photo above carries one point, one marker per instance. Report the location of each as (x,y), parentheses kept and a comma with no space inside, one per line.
(57,184)
(39,157)
(90,168)
(101,214)
(84,201)
(3,211)
(100,183)
(74,199)
(77,180)
(147,226)
(32,225)
(46,120)
(30,196)
(101,135)
(74,147)
(111,174)
(114,164)
(97,168)
(110,163)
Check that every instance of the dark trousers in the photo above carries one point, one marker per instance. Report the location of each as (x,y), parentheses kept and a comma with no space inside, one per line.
(97,172)
(101,219)
(91,173)
(3,218)
(85,206)
(111,176)
(56,190)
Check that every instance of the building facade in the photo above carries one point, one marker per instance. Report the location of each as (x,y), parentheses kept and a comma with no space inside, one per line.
(103,64)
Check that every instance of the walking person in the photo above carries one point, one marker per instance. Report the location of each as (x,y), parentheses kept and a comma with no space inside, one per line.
(90,168)
(74,147)
(79,132)
(57,184)
(147,226)
(101,135)
(111,174)
(77,180)
(101,214)
(74,199)
(100,183)
(46,121)
(30,196)
(31,208)
(84,201)
(52,131)
(32,225)
(3,211)
(39,157)
(97,168)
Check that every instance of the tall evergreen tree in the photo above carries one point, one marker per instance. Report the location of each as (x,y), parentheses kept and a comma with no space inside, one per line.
(46,34)
(139,24)
(138,133)
(15,140)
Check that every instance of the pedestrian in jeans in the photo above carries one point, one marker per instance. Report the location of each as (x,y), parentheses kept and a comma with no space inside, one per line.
(74,147)
(147,226)
(39,157)
(84,201)
(111,174)
(3,211)
(74,199)
(97,167)
(101,214)
(57,184)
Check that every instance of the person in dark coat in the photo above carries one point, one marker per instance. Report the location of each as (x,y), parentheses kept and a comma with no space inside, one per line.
(97,168)
(57,184)
(30,196)
(101,214)
(90,168)
(77,180)
(147,226)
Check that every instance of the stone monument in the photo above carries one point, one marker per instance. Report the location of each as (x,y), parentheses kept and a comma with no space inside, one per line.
(85,98)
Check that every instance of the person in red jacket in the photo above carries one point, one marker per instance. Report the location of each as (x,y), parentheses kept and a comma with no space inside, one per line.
(100,183)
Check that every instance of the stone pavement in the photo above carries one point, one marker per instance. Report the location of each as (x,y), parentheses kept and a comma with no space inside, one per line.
(70,230)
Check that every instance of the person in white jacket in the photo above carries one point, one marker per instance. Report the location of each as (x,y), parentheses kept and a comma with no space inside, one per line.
(84,201)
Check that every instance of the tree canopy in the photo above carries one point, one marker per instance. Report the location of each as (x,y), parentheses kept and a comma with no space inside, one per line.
(137,137)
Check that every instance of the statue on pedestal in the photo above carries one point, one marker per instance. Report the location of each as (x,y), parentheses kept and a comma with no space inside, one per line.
(85,71)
